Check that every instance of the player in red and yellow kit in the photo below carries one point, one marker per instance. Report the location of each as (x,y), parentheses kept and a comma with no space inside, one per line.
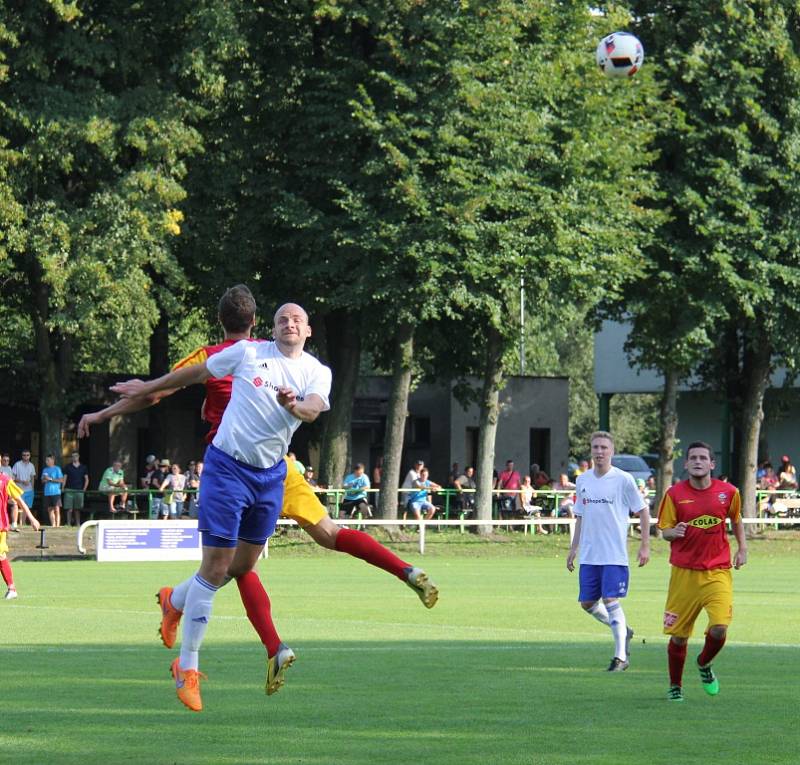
(692,517)
(300,503)
(10,490)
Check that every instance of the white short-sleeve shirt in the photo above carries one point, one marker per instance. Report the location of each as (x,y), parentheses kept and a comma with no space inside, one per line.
(604,505)
(255,428)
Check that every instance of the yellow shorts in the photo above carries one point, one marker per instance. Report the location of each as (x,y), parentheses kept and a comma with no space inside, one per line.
(300,503)
(3,542)
(692,591)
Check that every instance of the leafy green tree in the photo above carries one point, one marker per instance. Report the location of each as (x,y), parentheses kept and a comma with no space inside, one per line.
(95,136)
(728,166)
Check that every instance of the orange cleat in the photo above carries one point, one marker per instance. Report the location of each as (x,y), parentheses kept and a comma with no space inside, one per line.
(170,617)
(187,686)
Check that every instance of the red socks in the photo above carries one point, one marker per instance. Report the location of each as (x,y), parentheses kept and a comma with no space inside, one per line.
(677,658)
(5,570)
(361,545)
(257,605)
(712,647)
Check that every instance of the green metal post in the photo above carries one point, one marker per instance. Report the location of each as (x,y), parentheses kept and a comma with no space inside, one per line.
(605,411)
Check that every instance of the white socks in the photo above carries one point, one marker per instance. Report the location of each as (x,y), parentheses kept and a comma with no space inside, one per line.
(619,628)
(598,611)
(196,615)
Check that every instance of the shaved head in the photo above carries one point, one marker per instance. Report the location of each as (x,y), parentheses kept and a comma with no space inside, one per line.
(290,329)
(290,308)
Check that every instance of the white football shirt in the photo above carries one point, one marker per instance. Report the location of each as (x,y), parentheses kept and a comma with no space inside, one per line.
(604,504)
(255,428)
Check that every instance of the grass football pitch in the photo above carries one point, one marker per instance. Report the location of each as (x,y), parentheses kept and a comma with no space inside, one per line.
(505,669)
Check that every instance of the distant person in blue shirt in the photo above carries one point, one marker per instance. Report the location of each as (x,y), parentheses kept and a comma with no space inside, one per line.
(419,500)
(355,498)
(52,478)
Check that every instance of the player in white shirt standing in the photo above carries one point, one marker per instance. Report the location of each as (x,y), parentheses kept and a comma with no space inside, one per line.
(605,496)
(276,386)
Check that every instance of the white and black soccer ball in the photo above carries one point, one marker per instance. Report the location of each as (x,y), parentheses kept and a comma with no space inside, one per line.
(620,54)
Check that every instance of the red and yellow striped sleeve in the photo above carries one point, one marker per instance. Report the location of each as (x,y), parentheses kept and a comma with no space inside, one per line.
(195,357)
(667,514)
(14,492)
(735,508)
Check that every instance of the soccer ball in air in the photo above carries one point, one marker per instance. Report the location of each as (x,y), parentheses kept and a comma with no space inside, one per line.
(620,54)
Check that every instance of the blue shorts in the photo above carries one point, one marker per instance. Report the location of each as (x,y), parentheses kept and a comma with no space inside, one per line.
(239,501)
(602,582)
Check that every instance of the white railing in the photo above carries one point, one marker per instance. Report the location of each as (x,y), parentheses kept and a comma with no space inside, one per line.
(527,524)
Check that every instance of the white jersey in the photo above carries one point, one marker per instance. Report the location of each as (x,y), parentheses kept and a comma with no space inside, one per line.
(255,428)
(604,505)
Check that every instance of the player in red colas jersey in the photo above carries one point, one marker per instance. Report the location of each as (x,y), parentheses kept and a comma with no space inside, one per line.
(692,517)
(10,490)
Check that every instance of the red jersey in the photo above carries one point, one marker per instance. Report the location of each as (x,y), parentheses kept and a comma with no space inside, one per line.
(8,490)
(218,389)
(705,545)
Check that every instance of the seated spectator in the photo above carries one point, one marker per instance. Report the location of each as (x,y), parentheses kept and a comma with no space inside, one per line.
(541,480)
(174,496)
(465,500)
(419,501)
(112,484)
(566,502)
(52,480)
(787,476)
(309,476)
(527,493)
(583,466)
(768,480)
(355,496)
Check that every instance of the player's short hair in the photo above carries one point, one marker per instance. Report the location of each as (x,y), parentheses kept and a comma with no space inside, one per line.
(237,309)
(601,434)
(357,466)
(700,445)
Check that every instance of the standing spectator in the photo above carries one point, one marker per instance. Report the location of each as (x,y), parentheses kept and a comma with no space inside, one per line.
(455,474)
(150,467)
(157,477)
(465,500)
(295,463)
(527,493)
(377,479)
(199,468)
(692,519)
(172,486)
(420,499)
(112,484)
(192,482)
(408,483)
(5,465)
(5,469)
(787,477)
(52,480)
(24,473)
(76,481)
(508,482)
(355,498)
(605,497)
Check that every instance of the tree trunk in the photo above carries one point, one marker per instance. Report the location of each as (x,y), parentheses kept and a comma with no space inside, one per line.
(158,366)
(396,420)
(487,431)
(344,356)
(757,366)
(669,427)
(53,368)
